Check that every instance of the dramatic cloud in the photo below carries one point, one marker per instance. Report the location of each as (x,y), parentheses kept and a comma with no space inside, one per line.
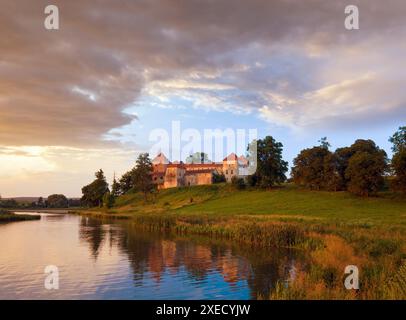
(290,63)
(69,87)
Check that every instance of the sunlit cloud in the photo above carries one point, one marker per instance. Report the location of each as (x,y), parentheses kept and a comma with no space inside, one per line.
(69,99)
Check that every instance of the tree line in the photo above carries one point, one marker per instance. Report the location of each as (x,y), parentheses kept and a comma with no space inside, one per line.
(361,169)
(138,179)
(52,201)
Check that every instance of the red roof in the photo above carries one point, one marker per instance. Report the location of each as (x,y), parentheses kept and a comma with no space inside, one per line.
(160,158)
(231,157)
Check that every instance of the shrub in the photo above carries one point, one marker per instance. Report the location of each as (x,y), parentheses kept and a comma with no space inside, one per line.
(239,183)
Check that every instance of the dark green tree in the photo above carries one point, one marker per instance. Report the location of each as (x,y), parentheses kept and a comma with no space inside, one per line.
(142,175)
(93,193)
(108,200)
(398,166)
(40,202)
(115,187)
(324,143)
(398,163)
(126,182)
(218,177)
(271,168)
(343,155)
(309,167)
(238,183)
(57,201)
(332,180)
(365,172)
(399,139)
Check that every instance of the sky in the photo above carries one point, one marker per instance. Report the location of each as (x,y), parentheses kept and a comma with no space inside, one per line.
(89,95)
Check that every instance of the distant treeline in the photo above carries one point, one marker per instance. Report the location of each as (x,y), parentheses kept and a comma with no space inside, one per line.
(362,169)
(53,201)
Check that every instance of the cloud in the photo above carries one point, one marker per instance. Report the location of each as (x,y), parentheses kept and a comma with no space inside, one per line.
(70,87)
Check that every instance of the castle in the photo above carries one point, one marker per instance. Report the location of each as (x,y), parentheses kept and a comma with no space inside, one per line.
(168,174)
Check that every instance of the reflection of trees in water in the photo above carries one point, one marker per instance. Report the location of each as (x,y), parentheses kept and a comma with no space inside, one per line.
(95,232)
(152,255)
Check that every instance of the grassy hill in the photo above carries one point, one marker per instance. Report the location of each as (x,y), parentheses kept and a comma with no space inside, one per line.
(287,202)
(335,229)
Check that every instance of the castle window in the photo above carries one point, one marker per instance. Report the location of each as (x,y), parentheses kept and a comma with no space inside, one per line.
(232,172)
(226,171)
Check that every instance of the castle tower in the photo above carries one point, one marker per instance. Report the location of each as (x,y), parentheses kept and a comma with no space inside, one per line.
(230,166)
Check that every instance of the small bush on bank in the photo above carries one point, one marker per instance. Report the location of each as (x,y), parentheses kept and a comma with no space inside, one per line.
(238,183)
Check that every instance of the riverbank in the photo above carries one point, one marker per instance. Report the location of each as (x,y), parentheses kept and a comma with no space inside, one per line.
(8,216)
(335,229)
(53,211)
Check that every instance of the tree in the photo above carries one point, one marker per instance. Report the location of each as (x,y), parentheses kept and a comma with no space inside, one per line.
(344,155)
(115,187)
(332,180)
(399,139)
(218,177)
(57,201)
(365,173)
(324,143)
(310,167)
(237,182)
(197,158)
(271,168)
(398,163)
(142,175)
(398,166)
(93,193)
(108,200)
(40,202)
(126,182)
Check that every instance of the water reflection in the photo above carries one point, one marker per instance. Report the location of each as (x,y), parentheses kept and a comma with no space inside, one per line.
(201,263)
(114,260)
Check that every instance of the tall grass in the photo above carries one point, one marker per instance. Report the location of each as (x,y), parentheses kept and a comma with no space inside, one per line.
(7,216)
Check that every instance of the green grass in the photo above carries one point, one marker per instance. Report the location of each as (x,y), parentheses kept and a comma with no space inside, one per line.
(291,201)
(287,202)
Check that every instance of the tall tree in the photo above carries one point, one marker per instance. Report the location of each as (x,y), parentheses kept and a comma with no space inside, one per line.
(343,155)
(142,175)
(115,187)
(365,172)
(126,182)
(324,143)
(398,166)
(398,163)
(309,167)
(57,201)
(271,168)
(332,179)
(108,200)
(399,139)
(93,193)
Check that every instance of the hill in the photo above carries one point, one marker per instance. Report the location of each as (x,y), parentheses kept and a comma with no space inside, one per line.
(287,202)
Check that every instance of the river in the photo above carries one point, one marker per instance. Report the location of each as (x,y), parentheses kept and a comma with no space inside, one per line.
(99,259)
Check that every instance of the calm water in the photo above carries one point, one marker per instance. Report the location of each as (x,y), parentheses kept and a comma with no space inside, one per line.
(114,260)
